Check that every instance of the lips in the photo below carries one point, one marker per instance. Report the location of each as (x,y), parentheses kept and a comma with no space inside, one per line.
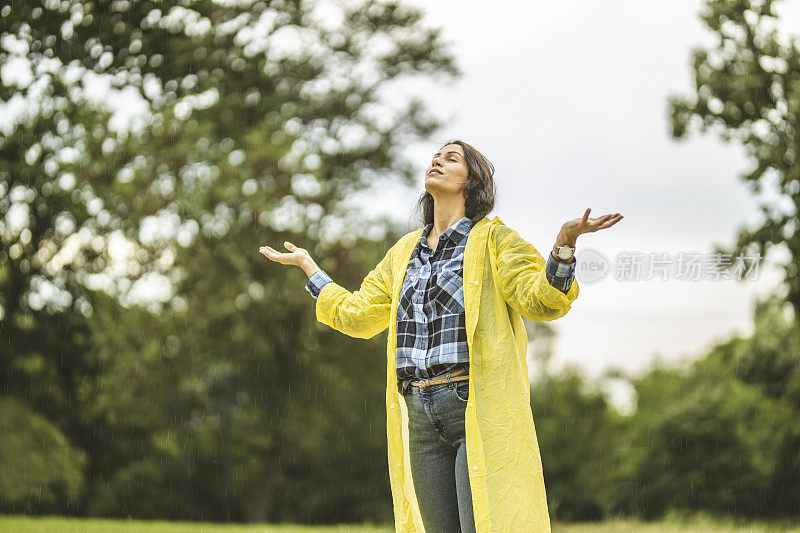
(434,171)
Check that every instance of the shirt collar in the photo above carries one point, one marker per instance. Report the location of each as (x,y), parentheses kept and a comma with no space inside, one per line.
(455,233)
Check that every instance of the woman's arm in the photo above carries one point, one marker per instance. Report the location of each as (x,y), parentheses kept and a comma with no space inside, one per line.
(363,313)
(523,280)
(521,269)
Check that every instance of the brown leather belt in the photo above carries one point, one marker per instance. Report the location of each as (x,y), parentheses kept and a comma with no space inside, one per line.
(446,379)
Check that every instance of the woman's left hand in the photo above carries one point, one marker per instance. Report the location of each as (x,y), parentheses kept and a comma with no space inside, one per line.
(578,226)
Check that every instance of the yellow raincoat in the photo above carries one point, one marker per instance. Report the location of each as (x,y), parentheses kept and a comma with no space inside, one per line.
(504,278)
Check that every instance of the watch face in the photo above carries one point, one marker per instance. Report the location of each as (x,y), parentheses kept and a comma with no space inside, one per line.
(565,253)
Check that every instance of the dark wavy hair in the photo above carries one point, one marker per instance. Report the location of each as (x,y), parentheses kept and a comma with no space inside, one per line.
(479,190)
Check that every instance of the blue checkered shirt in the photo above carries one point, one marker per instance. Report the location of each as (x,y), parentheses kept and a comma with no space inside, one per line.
(431,326)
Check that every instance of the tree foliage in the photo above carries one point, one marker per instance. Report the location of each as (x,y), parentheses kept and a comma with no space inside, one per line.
(38,467)
(747,89)
(137,314)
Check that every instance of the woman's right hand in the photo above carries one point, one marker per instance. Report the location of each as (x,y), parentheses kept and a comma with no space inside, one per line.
(296,256)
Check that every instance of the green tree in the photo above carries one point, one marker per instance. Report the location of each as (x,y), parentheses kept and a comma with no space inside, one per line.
(701,439)
(747,90)
(258,120)
(579,435)
(39,469)
(770,360)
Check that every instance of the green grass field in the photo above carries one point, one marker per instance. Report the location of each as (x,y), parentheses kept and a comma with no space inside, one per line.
(25,524)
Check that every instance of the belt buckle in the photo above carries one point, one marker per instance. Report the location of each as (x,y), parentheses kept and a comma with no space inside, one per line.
(427,382)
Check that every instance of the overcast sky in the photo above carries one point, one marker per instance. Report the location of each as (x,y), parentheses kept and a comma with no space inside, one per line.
(569,102)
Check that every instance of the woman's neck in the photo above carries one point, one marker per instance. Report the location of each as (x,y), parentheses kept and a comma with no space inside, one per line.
(444,218)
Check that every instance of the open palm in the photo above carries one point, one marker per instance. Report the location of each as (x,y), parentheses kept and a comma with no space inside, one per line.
(296,256)
(579,226)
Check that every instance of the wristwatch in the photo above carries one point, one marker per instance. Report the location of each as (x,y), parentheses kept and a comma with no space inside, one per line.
(565,252)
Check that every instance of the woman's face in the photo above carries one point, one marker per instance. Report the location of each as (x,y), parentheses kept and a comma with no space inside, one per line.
(447,172)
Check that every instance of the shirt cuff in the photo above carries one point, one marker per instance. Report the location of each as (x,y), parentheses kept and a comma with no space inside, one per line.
(560,275)
(316,282)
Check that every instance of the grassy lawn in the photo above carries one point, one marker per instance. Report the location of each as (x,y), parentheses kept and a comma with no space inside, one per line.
(664,527)
(24,524)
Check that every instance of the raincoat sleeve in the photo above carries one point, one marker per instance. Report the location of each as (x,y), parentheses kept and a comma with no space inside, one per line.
(521,275)
(363,313)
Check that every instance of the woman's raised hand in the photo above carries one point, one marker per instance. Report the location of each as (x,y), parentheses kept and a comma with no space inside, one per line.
(296,256)
(585,224)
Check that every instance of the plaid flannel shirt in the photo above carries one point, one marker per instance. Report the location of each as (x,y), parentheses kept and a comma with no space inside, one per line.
(431,326)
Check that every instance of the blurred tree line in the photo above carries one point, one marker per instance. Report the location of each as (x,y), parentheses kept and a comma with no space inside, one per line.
(720,435)
(153,364)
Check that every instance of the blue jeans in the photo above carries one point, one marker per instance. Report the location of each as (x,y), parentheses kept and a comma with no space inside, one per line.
(438,452)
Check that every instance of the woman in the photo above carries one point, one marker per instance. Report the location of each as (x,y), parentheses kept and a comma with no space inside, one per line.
(463,453)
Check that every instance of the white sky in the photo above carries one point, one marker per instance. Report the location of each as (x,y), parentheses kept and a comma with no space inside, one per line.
(569,102)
